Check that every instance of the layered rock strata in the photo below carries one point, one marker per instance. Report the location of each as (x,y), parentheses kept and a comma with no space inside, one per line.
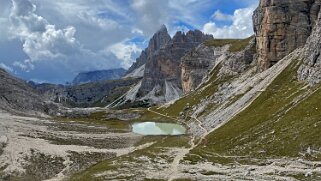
(281,26)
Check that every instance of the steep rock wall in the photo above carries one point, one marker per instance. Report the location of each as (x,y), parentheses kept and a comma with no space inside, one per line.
(281,26)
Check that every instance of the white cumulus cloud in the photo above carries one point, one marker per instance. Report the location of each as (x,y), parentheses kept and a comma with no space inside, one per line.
(41,40)
(57,47)
(219,16)
(26,65)
(241,26)
(126,52)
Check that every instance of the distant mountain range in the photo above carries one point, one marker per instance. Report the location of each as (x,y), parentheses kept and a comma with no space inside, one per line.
(99,75)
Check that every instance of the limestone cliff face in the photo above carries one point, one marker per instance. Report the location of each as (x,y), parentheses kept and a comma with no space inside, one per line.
(162,77)
(197,64)
(281,26)
(159,39)
(310,70)
(237,62)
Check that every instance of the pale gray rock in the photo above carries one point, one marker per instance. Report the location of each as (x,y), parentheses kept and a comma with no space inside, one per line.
(199,63)
(310,70)
(238,62)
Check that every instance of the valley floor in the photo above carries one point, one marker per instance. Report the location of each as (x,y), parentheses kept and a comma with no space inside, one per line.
(166,159)
(37,148)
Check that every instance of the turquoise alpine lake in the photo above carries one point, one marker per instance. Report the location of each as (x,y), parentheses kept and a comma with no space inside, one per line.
(153,128)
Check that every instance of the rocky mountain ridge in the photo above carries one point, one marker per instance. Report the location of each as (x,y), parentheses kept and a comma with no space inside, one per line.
(95,94)
(99,75)
(162,73)
(159,40)
(18,96)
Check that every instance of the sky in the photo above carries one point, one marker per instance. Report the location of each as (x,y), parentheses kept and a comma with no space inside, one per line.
(53,40)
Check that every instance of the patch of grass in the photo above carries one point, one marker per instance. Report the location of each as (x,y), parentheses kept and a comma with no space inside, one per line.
(236,44)
(151,116)
(276,124)
(99,118)
(88,175)
(199,156)
(184,179)
(173,141)
(181,141)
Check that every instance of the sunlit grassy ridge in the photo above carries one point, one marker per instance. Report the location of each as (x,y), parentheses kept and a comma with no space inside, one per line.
(280,122)
(236,44)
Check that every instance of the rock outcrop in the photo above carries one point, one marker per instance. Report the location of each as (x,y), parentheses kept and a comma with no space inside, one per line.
(159,39)
(199,63)
(281,26)
(310,70)
(162,77)
(18,96)
(99,75)
(95,94)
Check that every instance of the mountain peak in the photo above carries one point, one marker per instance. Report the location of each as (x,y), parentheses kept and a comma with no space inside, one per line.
(159,40)
(163,28)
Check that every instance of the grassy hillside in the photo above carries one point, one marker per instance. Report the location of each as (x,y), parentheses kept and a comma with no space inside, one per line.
(285,120)
(236,44)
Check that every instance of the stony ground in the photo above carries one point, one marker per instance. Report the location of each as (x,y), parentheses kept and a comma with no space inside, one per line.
(38,148)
